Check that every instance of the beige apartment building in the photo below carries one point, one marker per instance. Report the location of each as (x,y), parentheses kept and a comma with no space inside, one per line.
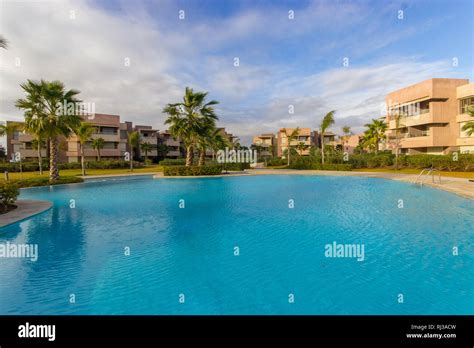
(465,97)
(427,113)
(173,148)
(267,143)
(305,138)
(350,142)
(22,143)
(108,128)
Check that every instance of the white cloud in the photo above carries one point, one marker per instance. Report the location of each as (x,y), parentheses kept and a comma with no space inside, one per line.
(88,52)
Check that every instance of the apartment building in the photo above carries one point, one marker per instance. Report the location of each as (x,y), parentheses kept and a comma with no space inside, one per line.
(350,142)
(150,136)
(302,143)
(108,128)
(426,114)
(21,142)
(465,97)
(173,148)
(267,143)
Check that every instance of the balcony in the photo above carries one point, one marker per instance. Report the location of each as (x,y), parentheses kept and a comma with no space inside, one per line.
(171,142)
(93,153)
(465,141)
(25,138)
(173,154)
(27,153)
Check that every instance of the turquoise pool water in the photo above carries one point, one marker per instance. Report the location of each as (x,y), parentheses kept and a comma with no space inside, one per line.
(191,250)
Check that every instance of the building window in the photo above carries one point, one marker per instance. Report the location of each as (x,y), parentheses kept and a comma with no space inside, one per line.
(465,104)
(108,130)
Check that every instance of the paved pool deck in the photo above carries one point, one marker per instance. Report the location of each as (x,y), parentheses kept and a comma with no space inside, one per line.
(25,209)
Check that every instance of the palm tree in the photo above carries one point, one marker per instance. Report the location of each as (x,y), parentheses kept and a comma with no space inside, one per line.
(327,122)
(162,150)
(145,147)
(469,126)
(84,133)
(346,131)
(98,144)
(398,125)
(3,42)
(45,100)
(376,130)
(38,143)
(289,138)
(301,147)
(217,142)
(207,131)
(134,143)
(187,119)
(10,128)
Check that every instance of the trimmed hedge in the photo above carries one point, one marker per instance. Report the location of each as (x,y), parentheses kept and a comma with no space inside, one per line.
(276,161)
(319,166)
(464,163)
(192,170)
(44,181)
(8,194)
(33,166)
(113,164)
(173,162)
(231,166)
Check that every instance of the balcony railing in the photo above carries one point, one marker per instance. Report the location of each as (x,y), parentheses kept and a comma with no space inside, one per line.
(392,114)
(418,134)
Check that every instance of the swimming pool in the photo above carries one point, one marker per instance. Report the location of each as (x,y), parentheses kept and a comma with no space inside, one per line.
(242,245)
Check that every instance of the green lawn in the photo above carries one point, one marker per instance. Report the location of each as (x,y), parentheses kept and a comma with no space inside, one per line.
(89,172)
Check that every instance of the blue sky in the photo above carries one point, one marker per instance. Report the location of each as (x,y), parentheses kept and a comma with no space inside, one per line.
(283,61)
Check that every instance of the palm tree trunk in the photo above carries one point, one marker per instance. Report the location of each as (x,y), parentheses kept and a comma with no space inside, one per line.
(322,148)
(202,157)
(288,154)
(82,161)
(189,155)
(98,154)
(131,158)
(376,145)
(40,159)
(53,159)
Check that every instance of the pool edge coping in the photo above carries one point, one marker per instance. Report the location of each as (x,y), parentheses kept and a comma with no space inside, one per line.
(26,208)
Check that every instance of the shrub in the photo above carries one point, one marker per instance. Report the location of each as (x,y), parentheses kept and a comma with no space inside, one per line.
(173,162)
(113,164)
(231,166)
(319,166)
(69,165)
(44,181)
(192,170)
(276,161)
(8,194)
(465,162)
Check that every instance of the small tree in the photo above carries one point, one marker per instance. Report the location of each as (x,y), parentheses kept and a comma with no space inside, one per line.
(145,147)
(134,143)
(84,133)
(327,122)
(289,138)
(98,144)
